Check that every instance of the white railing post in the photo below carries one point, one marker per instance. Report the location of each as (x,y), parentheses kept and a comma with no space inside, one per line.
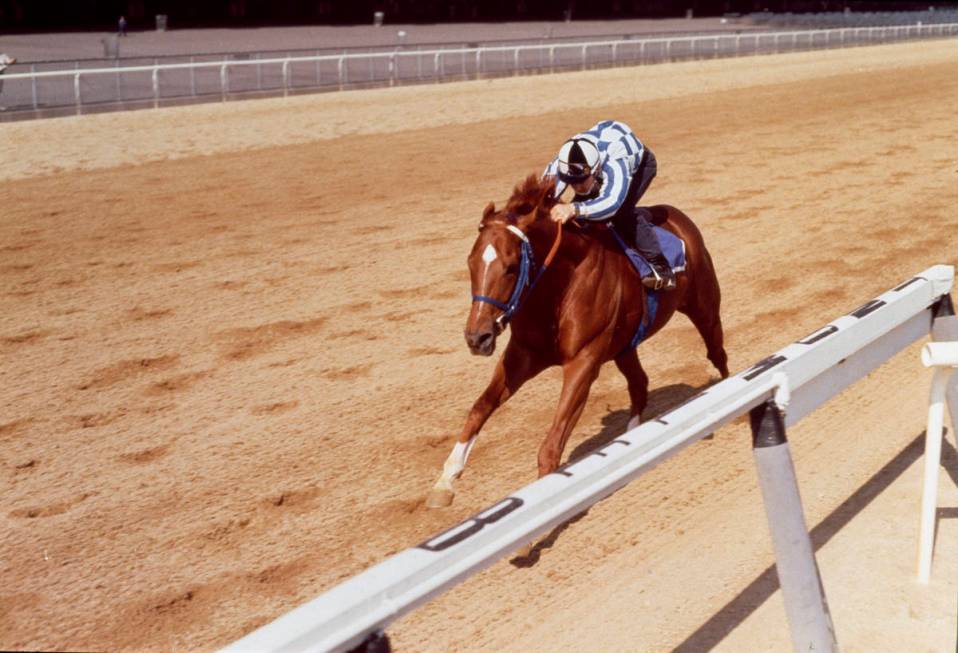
(942,355)
(805,605)
(342,72)
(552,58)
(192,77)
(156,86)
(76,91)
(224,82)
(33,85)
(286,78)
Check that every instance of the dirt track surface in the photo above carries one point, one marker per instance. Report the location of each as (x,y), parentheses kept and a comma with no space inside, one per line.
(232,360)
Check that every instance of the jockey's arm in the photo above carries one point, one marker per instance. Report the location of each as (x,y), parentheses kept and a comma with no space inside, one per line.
(615,188)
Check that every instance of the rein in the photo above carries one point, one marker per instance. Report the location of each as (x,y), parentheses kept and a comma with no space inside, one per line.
(527,263)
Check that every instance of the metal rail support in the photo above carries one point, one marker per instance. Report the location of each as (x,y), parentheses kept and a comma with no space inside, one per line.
(286,78)
(192,78)
(33,83)
(805,604)
(942,355)
(224,82)
(76,91)
(156,86)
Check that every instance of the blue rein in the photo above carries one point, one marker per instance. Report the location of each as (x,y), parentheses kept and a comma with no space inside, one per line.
(526,264)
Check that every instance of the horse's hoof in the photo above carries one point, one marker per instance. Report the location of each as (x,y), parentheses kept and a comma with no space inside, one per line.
(633,422)
(440,498)
(524,552)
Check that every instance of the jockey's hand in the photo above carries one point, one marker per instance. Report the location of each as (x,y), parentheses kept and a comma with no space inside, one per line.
(562,213)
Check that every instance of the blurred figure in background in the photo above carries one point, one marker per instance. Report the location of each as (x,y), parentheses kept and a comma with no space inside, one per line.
(121,26)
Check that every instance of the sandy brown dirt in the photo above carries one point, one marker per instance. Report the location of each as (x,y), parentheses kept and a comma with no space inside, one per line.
(232,360)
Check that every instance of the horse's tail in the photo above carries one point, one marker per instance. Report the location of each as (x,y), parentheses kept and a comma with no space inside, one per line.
(703,297)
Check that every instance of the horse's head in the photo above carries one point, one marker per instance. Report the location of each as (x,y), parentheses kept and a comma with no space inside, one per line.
(496,263)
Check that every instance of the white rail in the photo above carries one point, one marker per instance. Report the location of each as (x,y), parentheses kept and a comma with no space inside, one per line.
(416,66)
(812,370)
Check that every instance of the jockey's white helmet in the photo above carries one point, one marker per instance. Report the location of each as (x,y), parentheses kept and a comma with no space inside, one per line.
(578,159)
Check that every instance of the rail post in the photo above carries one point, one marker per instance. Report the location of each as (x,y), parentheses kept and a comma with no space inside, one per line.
(805,605)
(286,78)
(942,355)
(76,91)
(33,85)
(192,77)
(224,82)
(156,86)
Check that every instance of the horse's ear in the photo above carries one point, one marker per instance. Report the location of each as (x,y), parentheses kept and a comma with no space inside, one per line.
(488,211)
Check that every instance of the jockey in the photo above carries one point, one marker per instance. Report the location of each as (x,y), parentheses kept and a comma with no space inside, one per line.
(609,169)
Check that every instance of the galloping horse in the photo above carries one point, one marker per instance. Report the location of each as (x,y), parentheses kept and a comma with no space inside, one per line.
(580,313)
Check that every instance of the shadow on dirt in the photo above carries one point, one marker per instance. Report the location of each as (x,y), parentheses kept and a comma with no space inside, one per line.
(736,611)
(661,400)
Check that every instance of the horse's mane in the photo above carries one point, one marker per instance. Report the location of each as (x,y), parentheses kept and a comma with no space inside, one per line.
(529,194)
(528,199)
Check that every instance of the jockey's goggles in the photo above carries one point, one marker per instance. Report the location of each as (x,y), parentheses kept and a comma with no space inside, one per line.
(577,172)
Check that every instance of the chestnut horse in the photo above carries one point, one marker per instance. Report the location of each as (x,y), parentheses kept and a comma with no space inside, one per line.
(579,312)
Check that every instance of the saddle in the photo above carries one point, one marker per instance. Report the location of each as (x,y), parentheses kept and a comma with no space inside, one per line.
(673,248)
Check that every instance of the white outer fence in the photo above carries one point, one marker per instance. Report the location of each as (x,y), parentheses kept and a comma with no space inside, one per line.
(183,82)
(811,370)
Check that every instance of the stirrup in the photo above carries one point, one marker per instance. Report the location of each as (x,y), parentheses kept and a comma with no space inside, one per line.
(658,281)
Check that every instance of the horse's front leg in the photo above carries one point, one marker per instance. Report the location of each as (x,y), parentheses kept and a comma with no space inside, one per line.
(516,366)
(577,377)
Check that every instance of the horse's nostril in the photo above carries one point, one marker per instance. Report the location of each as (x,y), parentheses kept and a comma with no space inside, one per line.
(480,340)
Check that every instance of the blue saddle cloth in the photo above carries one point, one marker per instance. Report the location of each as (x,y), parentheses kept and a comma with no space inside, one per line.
(674,250)
(672,247)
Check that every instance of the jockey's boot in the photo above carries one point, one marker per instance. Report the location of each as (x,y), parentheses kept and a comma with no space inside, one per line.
(661,276)
(647,244)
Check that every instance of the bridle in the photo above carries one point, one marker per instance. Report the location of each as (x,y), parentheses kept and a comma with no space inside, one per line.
(527,263)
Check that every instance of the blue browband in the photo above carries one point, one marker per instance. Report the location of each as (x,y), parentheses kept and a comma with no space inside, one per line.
(526,264)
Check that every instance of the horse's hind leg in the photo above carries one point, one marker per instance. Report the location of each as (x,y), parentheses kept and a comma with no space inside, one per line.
(515,367)
(709,326)
(702,306)
(628,363)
